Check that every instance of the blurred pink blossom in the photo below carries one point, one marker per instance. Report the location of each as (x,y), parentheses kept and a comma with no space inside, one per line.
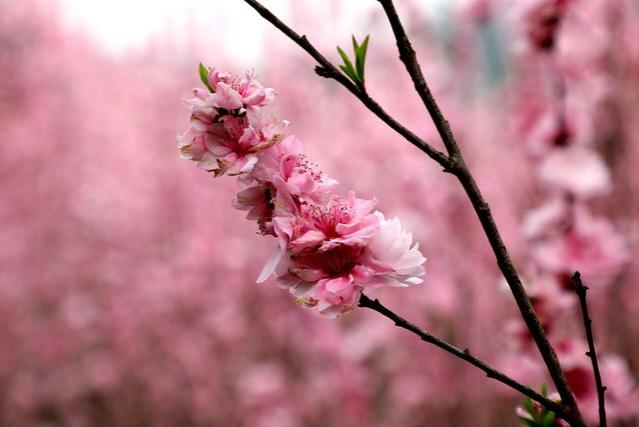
(575,170)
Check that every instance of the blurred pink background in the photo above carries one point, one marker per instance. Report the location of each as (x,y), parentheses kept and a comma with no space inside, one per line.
(127,280)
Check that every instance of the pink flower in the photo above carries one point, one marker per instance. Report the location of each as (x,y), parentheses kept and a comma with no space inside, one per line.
(554,215)
(324,226)
(589,245)
(233,92)
(228,128)
(228,143)
(236,140)
(332,277)
(259,201)
(287,163)
(622,393)
(576,170)
(192,143)
(393,247)
(281,180)
(544,133)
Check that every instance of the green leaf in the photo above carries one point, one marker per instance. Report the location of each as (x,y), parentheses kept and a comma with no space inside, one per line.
(350,73)
(204,76)
(347,61)
(355,45)
(530,407)
(544,390)
(527,422)
(549,419)
(348,66)
(360,58)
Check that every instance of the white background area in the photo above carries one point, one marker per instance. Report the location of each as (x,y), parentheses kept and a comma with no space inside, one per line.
(122,25)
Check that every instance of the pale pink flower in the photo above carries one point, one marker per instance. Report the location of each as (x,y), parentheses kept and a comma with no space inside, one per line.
(192,143)
(228,128)
(622,393)
(202,103)
(576,170)
(393,247)
(286,162)
(236,140)
(590,245)
(341,221)
(547,133)
(229,143)
(281,179)
(550,217)
(259,202)
(234,92)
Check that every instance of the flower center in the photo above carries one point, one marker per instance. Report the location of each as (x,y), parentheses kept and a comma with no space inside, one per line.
(336,262)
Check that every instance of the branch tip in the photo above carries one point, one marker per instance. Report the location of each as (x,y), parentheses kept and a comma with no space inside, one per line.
(581,289)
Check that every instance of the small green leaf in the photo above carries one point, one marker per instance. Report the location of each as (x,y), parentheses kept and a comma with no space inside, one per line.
(345,58)
(204,76)
(528,404)
(355,45)
(544,390)
(350,73)
(360,58)
(549,419)
(348,66)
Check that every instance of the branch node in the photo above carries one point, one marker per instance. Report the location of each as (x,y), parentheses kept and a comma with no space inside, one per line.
(452,165)
(323,72)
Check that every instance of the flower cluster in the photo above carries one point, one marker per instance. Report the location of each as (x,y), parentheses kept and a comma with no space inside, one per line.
(228,128)
(330,248)
(563,233)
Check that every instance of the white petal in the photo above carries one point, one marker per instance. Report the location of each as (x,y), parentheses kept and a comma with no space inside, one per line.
(270,266)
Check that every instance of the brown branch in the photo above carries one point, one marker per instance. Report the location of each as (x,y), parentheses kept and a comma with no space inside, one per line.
(460,170)
(464,354)
(328,70)
(408,56)
(581,290)
(454,164)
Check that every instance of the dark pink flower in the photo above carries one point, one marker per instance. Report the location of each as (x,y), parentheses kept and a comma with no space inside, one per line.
(332,277)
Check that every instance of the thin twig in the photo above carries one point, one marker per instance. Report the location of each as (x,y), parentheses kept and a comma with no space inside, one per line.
(455,164)
(460,170)
(464,354)
(328,70)
(581,290)
(409,58)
